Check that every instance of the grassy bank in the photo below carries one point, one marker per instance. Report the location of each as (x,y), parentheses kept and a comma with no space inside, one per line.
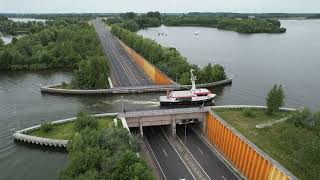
(294,148)
(67,131)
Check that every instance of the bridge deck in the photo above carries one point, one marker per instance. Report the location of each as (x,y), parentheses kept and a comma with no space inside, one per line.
(125,70)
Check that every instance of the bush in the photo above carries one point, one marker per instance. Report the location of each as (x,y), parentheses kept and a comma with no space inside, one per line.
(46,127)
(306,119)
(248,113)
(84,121)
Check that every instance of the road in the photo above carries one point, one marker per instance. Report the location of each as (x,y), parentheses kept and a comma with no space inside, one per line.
(208,160)
(126,71)
(166,156)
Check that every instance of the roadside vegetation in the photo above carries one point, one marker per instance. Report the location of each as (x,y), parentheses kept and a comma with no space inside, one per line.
(169,60)
(242,24)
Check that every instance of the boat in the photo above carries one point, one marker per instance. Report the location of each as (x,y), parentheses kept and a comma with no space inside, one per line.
(193,96)
(196,33)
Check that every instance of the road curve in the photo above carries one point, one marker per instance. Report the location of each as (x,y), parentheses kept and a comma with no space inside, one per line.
(125,70)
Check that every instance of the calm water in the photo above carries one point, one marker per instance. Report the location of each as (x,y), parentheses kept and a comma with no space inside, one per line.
(27,20)
(256,62)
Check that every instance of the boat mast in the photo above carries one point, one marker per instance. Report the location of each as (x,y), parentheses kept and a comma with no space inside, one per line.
(193,81)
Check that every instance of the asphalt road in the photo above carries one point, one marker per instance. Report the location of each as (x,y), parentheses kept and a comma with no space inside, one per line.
(208,160)
(168,159)
(126,71)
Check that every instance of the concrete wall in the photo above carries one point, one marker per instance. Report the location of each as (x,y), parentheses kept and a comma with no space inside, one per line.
(252,162)
(158,120)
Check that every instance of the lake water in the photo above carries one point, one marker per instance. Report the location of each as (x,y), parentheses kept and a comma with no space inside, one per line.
(27,20)
(256,62)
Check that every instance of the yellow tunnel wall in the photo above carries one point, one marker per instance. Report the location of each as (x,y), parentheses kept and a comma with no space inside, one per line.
(154,74)
(243,157)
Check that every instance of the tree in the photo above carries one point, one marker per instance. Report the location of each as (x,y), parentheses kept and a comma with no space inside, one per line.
(275,99)
(1,42)
(5,60)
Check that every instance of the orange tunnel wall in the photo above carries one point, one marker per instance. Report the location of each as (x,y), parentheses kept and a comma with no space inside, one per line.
(243,157)
(154,73)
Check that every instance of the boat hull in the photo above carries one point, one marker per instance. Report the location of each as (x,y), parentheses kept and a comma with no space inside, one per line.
(191,103)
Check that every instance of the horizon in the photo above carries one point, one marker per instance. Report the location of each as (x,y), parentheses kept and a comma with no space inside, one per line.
(164,6)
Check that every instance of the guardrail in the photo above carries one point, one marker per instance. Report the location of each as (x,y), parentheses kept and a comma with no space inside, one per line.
(127,90)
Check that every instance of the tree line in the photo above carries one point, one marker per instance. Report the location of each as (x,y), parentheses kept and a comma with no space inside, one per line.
(168,60)
(8,26)
(107,153)
(134,22)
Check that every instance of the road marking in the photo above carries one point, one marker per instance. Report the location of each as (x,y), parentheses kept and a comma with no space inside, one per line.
(199,150)
(177,153)
(217,153)
(194,159)
(156,159)
(165,152)
(223,178)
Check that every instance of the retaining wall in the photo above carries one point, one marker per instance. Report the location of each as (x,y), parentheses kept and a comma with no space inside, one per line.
(22,135)
(154,73)
(250,161)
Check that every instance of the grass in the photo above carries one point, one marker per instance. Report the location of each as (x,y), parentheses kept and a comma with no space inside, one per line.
(66,131)
(297,149)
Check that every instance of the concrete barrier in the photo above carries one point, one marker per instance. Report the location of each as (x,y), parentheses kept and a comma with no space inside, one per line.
(241,153)
(22,135)
(127,90)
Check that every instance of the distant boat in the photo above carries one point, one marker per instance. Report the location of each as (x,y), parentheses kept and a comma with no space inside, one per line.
(196,33)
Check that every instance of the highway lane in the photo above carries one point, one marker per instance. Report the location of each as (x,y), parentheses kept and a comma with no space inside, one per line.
(208,160)
(168,159)
(126,71)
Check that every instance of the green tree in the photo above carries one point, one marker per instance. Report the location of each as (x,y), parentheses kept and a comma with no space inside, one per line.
(275,98)
(5,59)
(1,42)
(85,121)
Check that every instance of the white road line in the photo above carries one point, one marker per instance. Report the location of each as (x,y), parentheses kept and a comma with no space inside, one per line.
(194,158)
(199,150)
(178,154)
(223,178)
(156,159)
(165,152)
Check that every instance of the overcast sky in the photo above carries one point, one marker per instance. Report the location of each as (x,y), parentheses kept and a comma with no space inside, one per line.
(80,6)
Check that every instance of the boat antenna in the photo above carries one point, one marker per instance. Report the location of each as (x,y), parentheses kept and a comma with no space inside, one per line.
(193,80)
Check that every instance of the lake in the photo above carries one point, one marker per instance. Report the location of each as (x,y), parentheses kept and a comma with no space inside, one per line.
(255,62)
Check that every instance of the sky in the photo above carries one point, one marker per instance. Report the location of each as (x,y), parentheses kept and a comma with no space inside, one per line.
(164,6)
